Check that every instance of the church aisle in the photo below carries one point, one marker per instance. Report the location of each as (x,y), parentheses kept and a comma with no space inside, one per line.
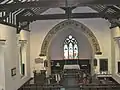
(70,82)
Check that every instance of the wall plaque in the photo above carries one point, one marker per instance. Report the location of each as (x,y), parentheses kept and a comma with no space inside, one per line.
(13,71)
(38,60)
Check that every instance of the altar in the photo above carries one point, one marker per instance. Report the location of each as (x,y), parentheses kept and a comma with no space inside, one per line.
(72,67)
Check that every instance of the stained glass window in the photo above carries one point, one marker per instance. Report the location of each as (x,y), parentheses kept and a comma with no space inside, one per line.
(70,48)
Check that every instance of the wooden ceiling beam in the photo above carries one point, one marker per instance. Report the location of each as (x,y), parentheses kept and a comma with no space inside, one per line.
(59,16)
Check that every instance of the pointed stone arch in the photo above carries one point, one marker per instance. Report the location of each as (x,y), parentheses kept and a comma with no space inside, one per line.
(70,23)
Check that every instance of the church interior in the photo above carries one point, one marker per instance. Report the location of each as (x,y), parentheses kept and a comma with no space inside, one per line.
(59,45)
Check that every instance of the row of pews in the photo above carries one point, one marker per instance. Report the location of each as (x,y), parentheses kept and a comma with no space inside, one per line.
(81,87)
(41,82)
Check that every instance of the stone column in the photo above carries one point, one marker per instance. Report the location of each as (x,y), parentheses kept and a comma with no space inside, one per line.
(2,64)
(25,38)
(115,35)
(117,54)
(92,66)
(49,65)
(97,69)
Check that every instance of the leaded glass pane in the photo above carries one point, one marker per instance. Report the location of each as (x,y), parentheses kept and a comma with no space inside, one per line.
(65,52)
(75,51)
(70,51)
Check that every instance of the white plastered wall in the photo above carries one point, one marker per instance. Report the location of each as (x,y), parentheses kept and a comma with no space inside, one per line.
(11,59)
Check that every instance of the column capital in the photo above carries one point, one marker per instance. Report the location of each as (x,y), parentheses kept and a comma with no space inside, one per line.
(115,32)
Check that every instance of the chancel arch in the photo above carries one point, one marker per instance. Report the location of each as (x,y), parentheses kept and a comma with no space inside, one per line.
(69,24)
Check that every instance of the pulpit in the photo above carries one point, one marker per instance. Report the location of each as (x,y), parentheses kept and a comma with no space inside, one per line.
(39,77)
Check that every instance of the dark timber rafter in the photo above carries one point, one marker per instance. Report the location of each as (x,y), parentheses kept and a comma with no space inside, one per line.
(24,24)
(41,3)
(56,3)
(117,14)
(22,12)
(26,10)
(68,11)
(6,15)
(115,8)
(114,21)
(60,16)
(114,13)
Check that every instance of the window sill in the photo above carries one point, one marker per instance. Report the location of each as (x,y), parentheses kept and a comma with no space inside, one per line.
(118,74)
(22,76)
